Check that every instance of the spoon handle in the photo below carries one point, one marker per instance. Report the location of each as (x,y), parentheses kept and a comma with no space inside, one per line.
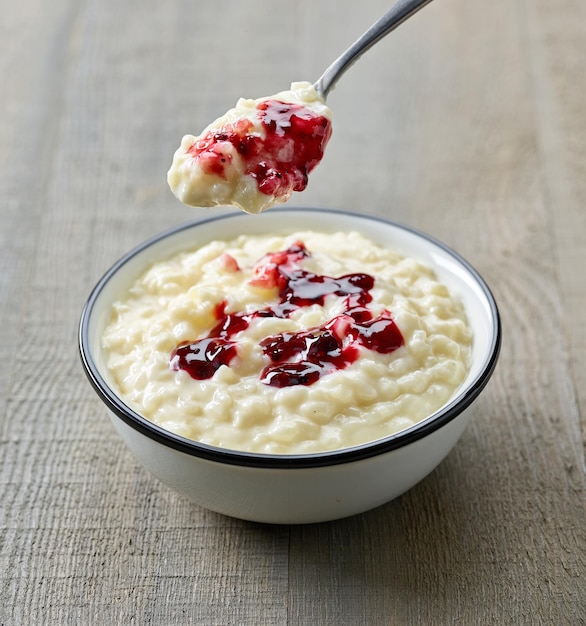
(395,16)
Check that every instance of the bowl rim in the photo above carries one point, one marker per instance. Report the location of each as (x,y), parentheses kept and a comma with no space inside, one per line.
(430,424)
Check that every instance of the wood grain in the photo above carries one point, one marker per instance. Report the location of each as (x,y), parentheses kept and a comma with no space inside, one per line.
(466,123)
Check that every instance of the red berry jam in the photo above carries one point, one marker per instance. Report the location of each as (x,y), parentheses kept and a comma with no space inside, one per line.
(296,358)
(203,357)
(280,162)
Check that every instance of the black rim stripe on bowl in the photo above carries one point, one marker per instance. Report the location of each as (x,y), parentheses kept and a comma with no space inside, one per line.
(285,461)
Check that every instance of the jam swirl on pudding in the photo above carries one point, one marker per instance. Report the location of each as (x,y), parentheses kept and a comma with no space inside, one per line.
(303,357)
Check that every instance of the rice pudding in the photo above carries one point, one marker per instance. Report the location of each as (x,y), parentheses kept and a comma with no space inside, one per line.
(288,344)
(256,155)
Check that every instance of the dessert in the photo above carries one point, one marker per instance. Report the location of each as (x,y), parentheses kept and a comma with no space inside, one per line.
(256,155)
(288,344)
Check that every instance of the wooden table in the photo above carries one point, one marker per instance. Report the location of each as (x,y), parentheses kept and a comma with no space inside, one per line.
(468,123)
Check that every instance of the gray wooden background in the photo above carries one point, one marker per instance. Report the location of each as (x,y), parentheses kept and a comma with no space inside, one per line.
(468,123)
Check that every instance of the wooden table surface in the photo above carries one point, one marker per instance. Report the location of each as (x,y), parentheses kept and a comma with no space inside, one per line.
(467,123)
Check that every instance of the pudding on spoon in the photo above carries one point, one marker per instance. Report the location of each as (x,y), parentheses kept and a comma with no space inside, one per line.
(257,154)
(261,151)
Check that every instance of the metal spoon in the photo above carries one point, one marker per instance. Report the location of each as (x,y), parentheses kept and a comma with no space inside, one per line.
(394,17)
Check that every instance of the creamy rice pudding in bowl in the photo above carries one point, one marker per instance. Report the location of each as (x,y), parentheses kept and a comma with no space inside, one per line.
(299,366)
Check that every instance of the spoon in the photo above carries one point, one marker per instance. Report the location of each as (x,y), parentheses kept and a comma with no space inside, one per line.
(394,17)
(197,183)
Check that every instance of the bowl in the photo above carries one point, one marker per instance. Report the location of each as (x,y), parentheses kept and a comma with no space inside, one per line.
(295,488)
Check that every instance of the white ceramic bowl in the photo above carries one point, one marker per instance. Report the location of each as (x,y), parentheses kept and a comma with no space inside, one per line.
(294,488)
